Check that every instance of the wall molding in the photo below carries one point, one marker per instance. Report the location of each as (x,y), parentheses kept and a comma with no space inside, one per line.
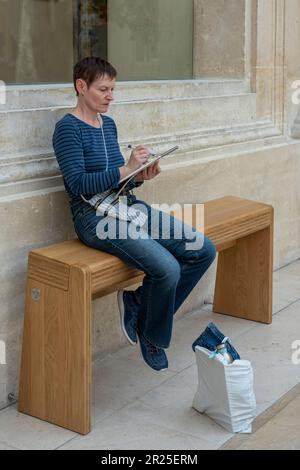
(26,174)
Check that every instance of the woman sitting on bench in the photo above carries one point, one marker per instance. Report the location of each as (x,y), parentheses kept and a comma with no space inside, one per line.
(86,147)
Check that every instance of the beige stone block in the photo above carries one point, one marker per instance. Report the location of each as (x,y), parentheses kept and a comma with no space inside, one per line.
(28,433)
(269,348)
(135,427)
(118,381)
(292,60)
(282,432)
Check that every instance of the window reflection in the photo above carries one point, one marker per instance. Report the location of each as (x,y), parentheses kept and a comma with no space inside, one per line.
(40,40)
(151,39)
(90,28)
(36,43)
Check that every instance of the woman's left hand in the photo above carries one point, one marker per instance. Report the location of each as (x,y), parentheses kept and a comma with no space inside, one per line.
(149,173)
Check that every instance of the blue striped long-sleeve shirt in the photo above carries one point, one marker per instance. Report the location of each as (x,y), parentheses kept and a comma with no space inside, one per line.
(89,158)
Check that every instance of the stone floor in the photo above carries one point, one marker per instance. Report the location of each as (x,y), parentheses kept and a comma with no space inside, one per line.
(136,408)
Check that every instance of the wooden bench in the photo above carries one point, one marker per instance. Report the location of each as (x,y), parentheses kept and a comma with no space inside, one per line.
(56,367)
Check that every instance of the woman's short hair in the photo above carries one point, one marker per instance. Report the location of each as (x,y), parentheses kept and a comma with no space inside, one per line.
(92,68)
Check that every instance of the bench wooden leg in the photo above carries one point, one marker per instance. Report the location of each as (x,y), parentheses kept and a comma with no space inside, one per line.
(244,278)
(55,378)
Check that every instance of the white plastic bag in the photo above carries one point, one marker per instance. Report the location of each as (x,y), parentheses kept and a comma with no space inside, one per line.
(225,392)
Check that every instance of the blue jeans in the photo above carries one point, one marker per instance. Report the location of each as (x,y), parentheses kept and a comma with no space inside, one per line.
(211,337)
(171,269)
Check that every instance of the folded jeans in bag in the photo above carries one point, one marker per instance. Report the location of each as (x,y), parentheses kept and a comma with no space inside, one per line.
(211,337)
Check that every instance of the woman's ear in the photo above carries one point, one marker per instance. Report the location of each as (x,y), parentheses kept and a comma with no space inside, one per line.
(81,86)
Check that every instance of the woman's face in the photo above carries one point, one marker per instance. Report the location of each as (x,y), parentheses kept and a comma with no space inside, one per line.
(100,94)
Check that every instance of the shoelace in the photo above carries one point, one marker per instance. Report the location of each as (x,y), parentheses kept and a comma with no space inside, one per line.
(153,349)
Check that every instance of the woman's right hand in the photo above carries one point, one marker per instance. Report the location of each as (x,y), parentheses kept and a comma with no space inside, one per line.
(138,157)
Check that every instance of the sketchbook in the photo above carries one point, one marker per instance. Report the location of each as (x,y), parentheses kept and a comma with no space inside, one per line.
(149,163)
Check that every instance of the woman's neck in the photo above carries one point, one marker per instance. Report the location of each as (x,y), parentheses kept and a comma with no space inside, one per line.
(88,116)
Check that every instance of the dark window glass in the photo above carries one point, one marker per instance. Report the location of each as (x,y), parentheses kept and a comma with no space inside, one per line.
(40,40)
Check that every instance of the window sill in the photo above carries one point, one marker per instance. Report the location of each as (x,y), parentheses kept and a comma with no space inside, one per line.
(59,95)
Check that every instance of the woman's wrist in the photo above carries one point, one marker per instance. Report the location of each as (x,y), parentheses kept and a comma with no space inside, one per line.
(124,171)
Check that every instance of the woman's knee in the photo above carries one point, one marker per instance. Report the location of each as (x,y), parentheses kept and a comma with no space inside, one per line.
(205,254)
(169,273)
